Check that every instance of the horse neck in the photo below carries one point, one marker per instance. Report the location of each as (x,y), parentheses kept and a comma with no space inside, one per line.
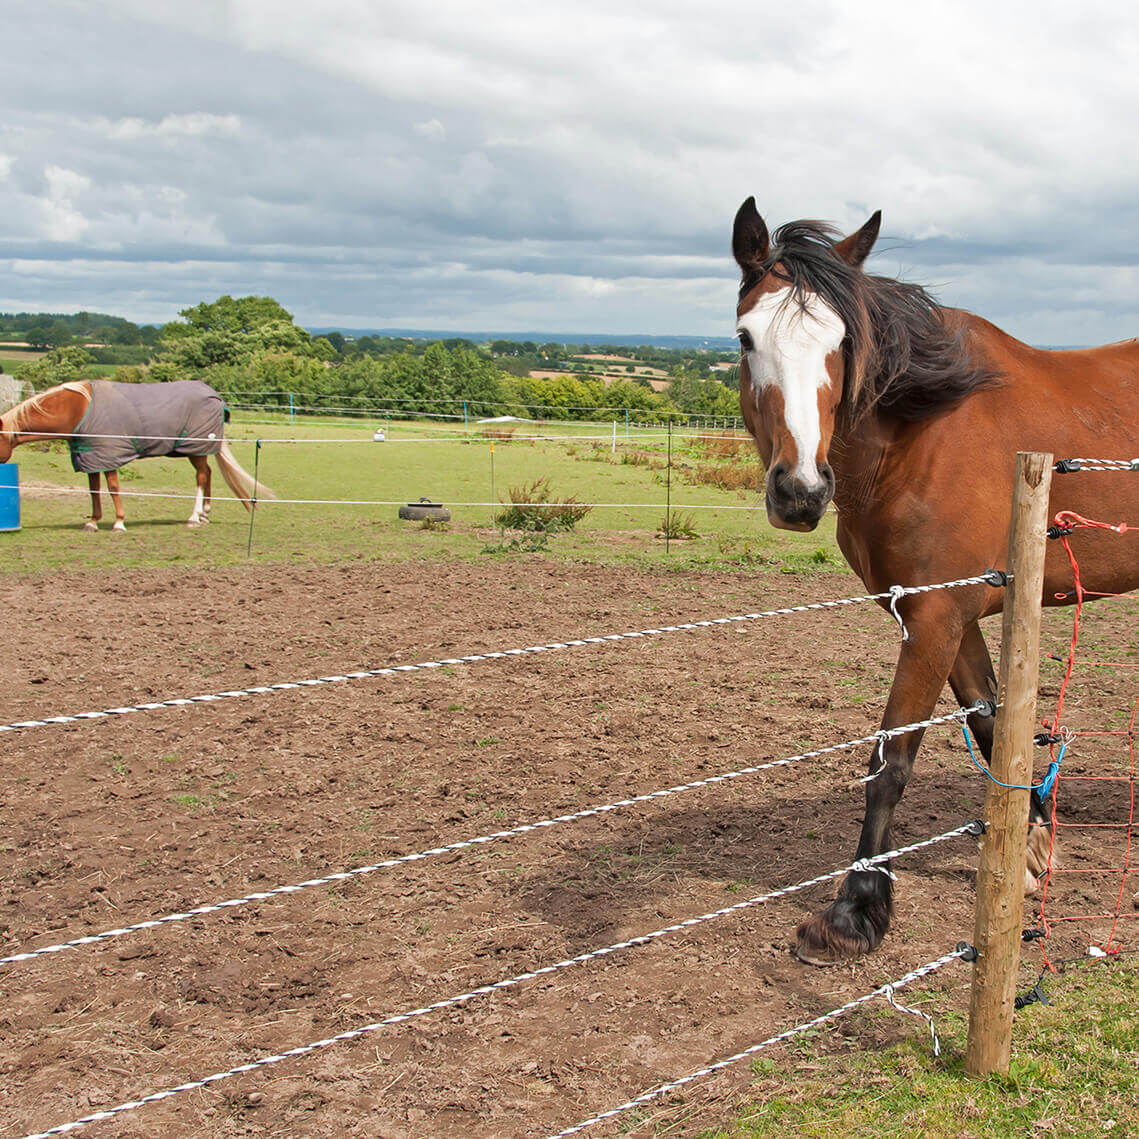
(49,414)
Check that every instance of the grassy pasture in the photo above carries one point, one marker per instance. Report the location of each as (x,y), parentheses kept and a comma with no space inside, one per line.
(1074,1071)
(338,462)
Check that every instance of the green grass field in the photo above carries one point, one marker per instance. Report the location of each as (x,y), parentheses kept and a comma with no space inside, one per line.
(340,466)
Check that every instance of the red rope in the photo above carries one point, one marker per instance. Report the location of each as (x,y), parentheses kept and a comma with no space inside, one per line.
(1066,521)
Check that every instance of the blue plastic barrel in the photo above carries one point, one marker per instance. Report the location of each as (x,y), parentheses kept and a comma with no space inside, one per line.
(9,496)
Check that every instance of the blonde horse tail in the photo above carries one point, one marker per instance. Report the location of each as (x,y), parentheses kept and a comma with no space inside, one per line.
(240,482)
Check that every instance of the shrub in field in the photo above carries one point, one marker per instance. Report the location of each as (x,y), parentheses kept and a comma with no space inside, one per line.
(726,445)
(731,476)
(675,526)
(641,459)
(532,509)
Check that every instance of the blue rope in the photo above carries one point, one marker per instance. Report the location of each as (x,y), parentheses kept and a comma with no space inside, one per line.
(1044,787)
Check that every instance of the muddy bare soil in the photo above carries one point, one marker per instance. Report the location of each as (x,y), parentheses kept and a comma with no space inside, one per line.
(110,822)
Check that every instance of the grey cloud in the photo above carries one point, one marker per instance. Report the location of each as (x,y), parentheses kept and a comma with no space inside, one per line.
(561,166)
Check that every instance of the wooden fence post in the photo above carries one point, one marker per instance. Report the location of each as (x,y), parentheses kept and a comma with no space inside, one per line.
(1001,868)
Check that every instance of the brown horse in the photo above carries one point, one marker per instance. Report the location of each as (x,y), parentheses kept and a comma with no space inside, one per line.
(108,424)
(908,415)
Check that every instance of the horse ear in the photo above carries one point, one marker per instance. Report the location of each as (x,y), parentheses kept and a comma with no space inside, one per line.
(856,248)
(750,242)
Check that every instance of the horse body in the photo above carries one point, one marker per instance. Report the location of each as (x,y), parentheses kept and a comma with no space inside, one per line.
(130,422)
(916,413)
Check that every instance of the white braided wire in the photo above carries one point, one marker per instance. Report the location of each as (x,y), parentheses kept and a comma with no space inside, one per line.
(798,1030)
(862,865)
(467,844)
(1105,464)
(391,670)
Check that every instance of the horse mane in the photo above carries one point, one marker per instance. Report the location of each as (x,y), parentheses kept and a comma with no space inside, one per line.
(20,413)
(902,355)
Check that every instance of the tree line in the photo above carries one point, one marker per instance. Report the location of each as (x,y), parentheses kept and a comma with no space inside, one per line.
(251,350)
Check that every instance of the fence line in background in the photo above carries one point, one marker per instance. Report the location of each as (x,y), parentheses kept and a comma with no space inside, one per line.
(450,437)
(877,862)
(263,502)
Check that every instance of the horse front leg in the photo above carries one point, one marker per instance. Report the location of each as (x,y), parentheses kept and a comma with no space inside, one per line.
(857,920)
(201,511)
(972,678)
(113,490)
(94,485)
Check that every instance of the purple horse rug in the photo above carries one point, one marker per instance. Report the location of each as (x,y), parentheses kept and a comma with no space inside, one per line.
(139,421)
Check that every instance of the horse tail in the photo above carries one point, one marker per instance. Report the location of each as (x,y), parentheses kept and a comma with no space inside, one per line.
(240,481)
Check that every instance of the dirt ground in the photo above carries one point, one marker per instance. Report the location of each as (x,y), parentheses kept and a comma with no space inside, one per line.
(111,822)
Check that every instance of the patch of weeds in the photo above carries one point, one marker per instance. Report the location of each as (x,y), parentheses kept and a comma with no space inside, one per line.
(532,510)
(677,526)
(801,563)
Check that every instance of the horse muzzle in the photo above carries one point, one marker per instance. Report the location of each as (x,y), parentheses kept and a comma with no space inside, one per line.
(793,503)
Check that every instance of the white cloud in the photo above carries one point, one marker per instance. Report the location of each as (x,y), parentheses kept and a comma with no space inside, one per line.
(172,126)
(62,220)
(431,129)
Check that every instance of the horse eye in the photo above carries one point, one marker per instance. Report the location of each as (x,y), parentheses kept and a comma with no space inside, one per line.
(746,342)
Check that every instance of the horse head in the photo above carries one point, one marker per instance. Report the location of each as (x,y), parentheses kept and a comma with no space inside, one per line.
(795,355)
(7,438)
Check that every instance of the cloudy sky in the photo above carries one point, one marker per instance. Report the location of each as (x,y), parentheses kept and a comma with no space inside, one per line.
(563,166)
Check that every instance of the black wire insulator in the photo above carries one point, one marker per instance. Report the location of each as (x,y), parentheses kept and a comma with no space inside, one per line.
(1066,466)
(968,953)
(996,577)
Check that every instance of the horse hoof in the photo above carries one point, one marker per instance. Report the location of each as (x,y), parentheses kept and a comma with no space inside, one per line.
(118,528)
(193,523)
(809,957)
(91,527)
(842,932)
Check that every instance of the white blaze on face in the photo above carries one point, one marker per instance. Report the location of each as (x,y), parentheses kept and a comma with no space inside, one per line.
(790,346)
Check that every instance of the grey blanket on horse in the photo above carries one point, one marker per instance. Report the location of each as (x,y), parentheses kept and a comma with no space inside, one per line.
(138,421)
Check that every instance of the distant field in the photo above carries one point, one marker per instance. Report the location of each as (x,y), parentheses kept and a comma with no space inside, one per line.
(19,355)
(361,483)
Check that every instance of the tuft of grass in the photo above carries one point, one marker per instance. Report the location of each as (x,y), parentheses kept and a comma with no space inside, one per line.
(677,525)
